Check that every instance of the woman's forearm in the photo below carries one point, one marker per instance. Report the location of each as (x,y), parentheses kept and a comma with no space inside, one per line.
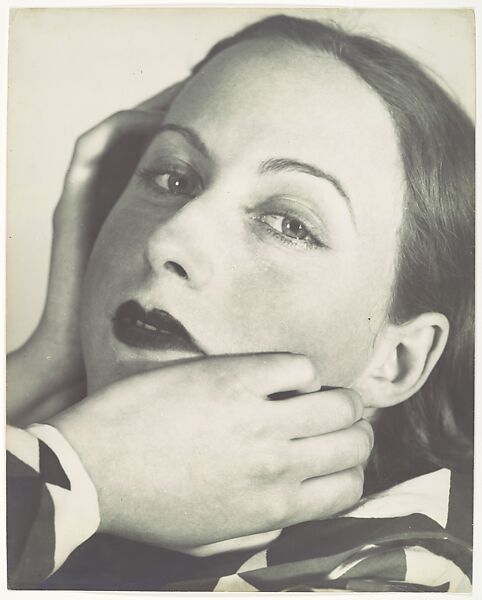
(38,384)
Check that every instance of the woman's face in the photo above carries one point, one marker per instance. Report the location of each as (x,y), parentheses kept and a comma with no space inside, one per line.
(262,217)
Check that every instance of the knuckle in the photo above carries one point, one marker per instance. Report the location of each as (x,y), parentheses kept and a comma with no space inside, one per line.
(228,384)
(258,429)
(351,407)
(83,150)
(298,364)
(237,388)
(306,364)
(358,405)
(344,491)
(363,444)
(115,118)
(346,411)
(224,380)
(309,371)
(271,467)
(120,114)
(356,480)
(80,144)
(368,432)
(363,450)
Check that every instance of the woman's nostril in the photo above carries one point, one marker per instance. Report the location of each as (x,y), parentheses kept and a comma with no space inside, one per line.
(176,268)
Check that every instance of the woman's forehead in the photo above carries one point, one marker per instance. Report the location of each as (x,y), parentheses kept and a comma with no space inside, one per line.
(268,73)
(266,88)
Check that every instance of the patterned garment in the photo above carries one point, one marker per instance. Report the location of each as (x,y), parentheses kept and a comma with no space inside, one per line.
(414,537)
(52,504)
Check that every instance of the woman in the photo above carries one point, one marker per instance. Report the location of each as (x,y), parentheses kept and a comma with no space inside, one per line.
(306,192)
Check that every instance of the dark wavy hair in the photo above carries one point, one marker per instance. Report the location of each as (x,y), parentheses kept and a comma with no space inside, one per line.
(435,270)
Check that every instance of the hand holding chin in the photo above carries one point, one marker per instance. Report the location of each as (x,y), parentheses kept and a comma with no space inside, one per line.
(194,453)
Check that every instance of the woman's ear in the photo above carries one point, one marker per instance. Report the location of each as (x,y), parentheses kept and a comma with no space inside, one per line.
(403,358)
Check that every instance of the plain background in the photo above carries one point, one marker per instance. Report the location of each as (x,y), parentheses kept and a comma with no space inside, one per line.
(70,68)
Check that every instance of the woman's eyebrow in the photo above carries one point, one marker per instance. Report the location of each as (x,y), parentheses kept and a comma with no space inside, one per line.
(275,165)
(189,134)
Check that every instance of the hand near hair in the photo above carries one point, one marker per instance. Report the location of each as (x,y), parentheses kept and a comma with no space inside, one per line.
(192,453)
(50,362)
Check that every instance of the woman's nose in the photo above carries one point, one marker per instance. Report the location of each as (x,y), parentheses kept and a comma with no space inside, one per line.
(183,246)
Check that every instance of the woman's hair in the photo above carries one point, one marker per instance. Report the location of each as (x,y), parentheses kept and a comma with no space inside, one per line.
(435,263)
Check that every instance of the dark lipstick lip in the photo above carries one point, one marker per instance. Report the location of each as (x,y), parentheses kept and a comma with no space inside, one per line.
(169,333)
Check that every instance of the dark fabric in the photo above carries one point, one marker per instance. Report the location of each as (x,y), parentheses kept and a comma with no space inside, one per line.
(30,526)
(109,562)
(16,468)
(23,499)
(303,555)
(334,536)
(460,519)
(51,470)
(37,560)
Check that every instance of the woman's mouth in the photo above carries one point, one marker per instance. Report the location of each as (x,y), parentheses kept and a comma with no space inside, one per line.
(151,329)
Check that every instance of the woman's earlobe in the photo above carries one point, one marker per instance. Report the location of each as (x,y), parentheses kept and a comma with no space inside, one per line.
(404,356)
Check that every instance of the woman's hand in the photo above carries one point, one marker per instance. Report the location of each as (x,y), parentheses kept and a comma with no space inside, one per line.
(102,163)
(193,453)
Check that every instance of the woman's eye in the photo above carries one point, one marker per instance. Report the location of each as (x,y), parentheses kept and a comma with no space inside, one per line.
(290,227)
(174,181)
(178,184)
(294,228)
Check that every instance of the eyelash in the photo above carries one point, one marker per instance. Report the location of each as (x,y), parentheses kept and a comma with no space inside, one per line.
(148,178)
(311,241)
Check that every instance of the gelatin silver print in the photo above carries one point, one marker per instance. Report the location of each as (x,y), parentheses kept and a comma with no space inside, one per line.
(240,299)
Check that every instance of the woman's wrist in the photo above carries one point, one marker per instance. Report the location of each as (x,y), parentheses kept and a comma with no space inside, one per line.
(55,342)
(75,425)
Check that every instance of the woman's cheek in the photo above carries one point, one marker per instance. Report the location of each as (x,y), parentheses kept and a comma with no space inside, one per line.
(120,243)
(319,312)
(110,266)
